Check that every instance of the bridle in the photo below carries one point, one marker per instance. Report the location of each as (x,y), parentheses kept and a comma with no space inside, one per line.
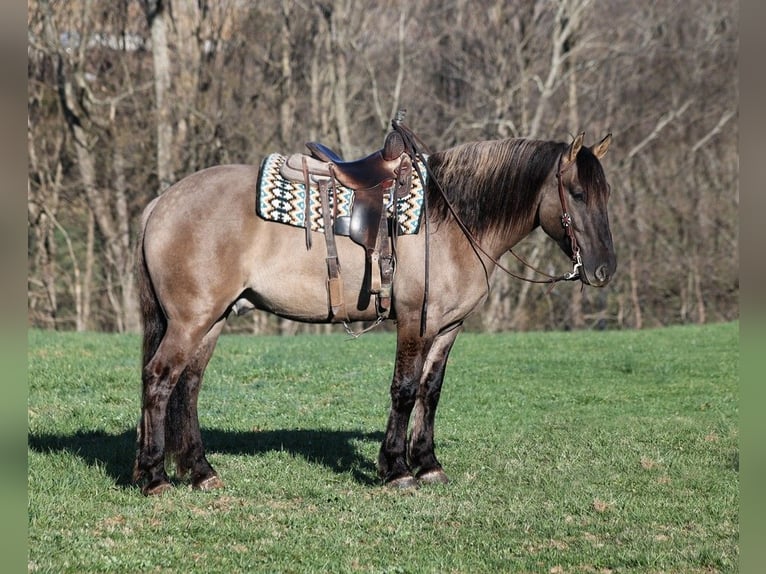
(414,145)
(566,223)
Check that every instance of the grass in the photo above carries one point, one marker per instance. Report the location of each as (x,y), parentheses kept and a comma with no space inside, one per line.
(568,452)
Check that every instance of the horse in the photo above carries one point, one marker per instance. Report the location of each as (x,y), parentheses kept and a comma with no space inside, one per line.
(203,253)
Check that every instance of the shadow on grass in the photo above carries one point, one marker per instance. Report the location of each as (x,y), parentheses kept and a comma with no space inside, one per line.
(334,449)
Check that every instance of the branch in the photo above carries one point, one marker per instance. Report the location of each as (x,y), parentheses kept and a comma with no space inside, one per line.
(400,71)
(725,117)
(566,21)
(663,121)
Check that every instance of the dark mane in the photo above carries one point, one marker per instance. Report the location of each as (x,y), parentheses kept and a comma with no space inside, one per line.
(494,185)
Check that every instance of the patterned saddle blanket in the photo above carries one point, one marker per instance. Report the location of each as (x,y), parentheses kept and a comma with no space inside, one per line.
(284,200)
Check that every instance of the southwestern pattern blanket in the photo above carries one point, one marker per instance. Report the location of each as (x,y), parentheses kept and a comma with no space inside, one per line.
(284,200)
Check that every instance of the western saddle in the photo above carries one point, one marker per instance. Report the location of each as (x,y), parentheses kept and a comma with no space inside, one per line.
(378,181)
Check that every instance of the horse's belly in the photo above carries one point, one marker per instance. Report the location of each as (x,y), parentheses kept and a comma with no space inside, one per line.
(290,280)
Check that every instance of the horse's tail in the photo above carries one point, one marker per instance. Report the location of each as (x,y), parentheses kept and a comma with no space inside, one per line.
(154,325)
(152,316)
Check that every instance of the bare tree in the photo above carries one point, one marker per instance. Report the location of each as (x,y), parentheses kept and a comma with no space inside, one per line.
(87,119)
(126,97)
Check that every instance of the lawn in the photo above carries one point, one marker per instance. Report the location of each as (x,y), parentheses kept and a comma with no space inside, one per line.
(578,452)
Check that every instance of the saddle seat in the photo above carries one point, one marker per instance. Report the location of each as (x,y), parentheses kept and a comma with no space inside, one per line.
(370,177)
(366,172)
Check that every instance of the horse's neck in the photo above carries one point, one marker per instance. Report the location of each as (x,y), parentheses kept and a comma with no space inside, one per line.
(517,236)
(496,242)
(451,238)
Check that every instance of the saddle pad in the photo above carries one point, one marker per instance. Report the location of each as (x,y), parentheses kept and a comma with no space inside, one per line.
(283,200)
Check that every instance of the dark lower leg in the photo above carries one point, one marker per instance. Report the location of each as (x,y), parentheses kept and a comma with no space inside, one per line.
(160,377)
(422,456)
(150,458)
(392,460)
(421,450)
(184,438)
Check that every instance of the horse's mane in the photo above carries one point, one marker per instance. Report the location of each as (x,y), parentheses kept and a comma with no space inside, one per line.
(494,185)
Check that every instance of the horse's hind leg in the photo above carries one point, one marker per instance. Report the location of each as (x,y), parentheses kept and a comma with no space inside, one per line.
(421,452)
(159,377)
(182,431)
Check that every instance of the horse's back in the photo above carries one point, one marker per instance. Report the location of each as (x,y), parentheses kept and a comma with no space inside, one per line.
(221,185)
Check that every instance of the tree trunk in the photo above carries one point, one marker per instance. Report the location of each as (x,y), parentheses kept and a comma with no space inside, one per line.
(184,88)
(156,14)
(576,319)
(340,66)
(87,281)
(129,303)
(42,206)
(287,104)
(633,276)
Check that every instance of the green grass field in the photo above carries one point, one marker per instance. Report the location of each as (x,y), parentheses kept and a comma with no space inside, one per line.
(568,452)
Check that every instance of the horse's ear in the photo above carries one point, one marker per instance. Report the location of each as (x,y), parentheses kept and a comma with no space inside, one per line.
(574,148)
(599,150)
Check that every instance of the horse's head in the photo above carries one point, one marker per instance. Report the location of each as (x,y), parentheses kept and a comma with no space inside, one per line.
(579,188)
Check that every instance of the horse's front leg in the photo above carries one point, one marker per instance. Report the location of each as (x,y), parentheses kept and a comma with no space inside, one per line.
(422,456)
(411,351)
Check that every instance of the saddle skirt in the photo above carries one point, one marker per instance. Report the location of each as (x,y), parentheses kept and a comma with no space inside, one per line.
(283,199)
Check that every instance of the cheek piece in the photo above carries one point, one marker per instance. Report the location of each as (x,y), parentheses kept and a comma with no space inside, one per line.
(566,223)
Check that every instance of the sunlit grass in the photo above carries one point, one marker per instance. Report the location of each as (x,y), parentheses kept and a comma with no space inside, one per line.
(568,452)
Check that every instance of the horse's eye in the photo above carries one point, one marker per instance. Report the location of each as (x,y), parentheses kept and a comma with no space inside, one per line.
(577,194)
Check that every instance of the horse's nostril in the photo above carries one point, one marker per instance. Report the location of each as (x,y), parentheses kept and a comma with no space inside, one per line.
(601,273)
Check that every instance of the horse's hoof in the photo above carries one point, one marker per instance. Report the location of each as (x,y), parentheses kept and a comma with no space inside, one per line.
(210,483)
(156,489)
(405,482)
(434,476)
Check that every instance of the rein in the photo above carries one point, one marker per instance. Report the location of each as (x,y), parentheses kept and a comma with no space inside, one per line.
(566,221)
(415,147)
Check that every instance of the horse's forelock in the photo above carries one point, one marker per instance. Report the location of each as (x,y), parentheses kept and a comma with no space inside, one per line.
(592,177)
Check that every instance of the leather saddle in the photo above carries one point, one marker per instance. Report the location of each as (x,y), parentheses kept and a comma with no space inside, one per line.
(377,181)
(371,177)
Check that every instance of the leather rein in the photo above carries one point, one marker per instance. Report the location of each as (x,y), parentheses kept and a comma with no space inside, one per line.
(415,145)
(566,223)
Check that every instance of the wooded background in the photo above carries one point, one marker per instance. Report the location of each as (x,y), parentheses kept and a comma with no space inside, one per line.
(125,97)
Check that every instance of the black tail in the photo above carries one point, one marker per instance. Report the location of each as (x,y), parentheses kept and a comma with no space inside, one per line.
(153,319)
(154,326)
